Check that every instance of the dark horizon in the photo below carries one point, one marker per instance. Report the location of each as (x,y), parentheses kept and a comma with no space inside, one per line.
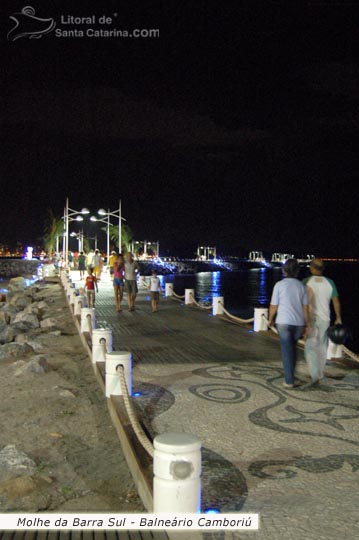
(236,127)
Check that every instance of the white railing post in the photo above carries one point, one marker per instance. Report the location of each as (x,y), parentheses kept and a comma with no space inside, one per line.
(69,287)
(142,282)
(98,335)
(177,473)
(168,289)
(73,297)
(85,311)
(79,304)
(189,296)
(334,350)
(260,319)
(113,360)
(217,305)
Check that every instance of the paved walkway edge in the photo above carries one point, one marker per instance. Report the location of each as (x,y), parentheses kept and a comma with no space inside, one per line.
(136,457)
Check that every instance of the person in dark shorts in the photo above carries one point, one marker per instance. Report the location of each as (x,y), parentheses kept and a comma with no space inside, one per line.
(131,269)
(82,264)
(155,289)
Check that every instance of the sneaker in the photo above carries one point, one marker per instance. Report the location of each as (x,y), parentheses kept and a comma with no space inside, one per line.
(286,385)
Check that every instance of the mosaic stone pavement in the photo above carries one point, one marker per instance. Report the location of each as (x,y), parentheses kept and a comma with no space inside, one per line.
(292,456)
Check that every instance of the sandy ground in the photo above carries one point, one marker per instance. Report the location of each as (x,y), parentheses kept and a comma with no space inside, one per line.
(59,419)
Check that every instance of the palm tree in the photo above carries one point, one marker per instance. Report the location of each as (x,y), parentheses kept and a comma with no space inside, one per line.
(54,228)
(126,236)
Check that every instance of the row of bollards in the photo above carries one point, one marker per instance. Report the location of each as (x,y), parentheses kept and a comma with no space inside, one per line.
(176,456)
(260,322)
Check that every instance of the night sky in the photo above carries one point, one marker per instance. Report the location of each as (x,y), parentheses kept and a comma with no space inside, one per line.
(237,127)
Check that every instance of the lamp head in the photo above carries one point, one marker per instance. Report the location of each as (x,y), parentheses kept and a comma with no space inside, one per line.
(102,212)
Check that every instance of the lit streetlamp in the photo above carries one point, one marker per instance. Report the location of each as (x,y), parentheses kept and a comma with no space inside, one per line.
(80,238)
(70,215)
(106,219)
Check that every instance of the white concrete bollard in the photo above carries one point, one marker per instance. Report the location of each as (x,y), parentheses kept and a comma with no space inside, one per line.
(189,296)
(73,297)
(85,311)
(217,305)
(68,287)
(79,304)
(49,270)
(334,350)
(168,289)
(142,282)
(97,336)
(260,322)
(177,473)
(114,359)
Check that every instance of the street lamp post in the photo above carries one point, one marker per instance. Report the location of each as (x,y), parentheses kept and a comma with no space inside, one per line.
(107,221)
(115,213)
(80,239)
(70,215)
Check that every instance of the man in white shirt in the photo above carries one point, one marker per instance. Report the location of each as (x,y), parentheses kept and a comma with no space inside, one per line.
(321,292)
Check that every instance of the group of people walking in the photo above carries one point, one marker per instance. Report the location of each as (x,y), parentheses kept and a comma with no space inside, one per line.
(123,271)
(302,309)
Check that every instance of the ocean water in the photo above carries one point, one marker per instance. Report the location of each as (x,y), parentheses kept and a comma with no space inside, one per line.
(243,290)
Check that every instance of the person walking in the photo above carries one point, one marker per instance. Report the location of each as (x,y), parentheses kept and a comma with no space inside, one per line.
(155,289)
(90,285)
(97,262)
(321,293)
(90,260)
(118,280)
(111,261)
(289,303)
(131,269)
(82,264)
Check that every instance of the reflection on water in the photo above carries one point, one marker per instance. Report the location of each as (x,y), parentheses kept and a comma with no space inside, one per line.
(242,290)
(245,289)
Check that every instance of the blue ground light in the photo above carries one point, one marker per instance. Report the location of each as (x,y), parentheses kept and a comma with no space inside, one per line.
(212,511)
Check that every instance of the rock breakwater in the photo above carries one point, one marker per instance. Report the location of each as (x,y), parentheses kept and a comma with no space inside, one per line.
(58,449)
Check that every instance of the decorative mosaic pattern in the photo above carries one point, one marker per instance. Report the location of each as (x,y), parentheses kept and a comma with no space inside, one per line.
(319,406)
(276,469)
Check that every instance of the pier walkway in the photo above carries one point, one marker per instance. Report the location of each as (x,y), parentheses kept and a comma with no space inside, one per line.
(292,456)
